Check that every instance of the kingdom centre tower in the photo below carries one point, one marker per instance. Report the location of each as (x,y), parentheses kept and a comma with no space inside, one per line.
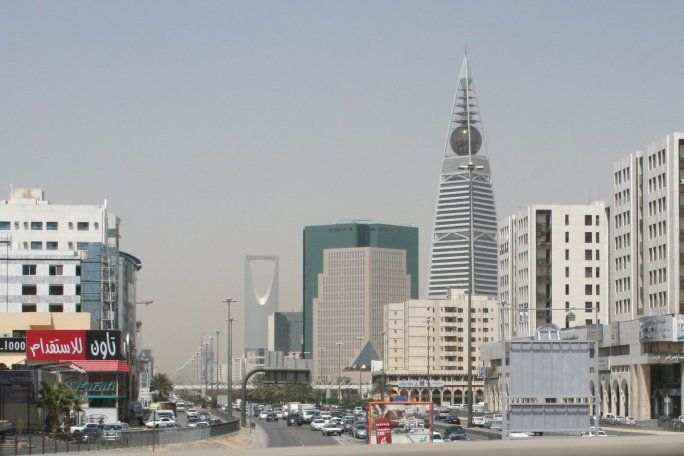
(465,180)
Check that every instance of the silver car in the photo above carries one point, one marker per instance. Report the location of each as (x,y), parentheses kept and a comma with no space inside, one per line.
(116,432)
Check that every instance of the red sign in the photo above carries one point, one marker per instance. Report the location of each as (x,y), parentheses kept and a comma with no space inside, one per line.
(52,344)
(383,431)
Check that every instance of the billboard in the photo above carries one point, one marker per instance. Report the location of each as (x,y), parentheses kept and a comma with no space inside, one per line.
(659,328)
(54,344)
(399,422)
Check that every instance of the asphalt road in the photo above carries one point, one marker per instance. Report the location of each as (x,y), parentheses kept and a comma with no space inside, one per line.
(280,435)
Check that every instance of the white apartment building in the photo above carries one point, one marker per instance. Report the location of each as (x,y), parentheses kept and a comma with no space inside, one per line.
(352,289)
(553,257)
(427,339)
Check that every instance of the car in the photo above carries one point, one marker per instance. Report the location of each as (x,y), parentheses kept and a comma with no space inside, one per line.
(75,429)
(161,423)
(593,434)
(443,414)
(88,435)
(496,425)
(294,419)
(609,418)
(192,422)
(452,430)
(203,416)
(215,421)
(279,414)
(630,421)
(271,417)
(263,414)
(452,419)
(619,420)
(317,424)
(360,432)
(202,424)
(455,437)
(332,428)
(192,412)
(115,432)
(479,421)
(437,437)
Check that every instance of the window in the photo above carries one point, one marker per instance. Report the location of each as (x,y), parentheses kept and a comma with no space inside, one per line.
(567,219)
(28,307)
(29,290)
(50,245)
(587,322)
(81,246)
(36,226)
(5,226)
(51,226)
(56,308)
(587,254)
(588,290)
(567,236)
(36,245)
(588,272)
(567,289)
(598,289)
(78,270)
(567,304)
(82,226)
(567,254)
(56,270)
(56,290)
(78,290)
(28,269)
(597,254)
(587,237)
(78,308)
(597,220)
(597,237)
(567,271)
(587,220)
(598,272)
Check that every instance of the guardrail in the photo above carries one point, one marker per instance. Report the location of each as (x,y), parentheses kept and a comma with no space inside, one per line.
(12,444)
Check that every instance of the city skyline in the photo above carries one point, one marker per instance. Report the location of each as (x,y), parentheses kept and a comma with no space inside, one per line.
(180,131)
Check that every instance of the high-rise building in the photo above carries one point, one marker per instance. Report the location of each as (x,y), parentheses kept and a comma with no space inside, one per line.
(465,177)
(285,332)
(66,258)
(429,336)
(353,287)
(347,235)
(259,306)
(553,256)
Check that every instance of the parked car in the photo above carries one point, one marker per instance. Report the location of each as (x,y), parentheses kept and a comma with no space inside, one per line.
(452,419)
(161,423)
(75,429)
(202,424)
(88,435)
(360,432)
(116,432)
(593,434)
(272,417)
(332,428)
(630,421)
(437,437)
(317,424)
(609,418)
(479,421)
(294,419)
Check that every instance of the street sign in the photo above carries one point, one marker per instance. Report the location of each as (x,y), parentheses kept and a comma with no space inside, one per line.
(286,376)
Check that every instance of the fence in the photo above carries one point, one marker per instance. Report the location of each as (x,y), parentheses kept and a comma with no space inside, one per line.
(40,443)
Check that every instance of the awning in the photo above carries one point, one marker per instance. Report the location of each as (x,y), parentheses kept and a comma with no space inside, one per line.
(102,365)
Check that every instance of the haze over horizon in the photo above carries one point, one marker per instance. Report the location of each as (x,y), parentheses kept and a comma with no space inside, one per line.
(221,129)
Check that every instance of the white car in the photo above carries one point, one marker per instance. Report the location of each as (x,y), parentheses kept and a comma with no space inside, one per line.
(192,412)
(83,426)
(593,434)
(332,429)
(326,417)
(161,423)
(263,414)
(317,424)
(479,421)
(279,414)
(437,437)
(630,421)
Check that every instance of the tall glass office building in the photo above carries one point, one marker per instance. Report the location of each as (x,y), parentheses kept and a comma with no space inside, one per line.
(465,168)
(346,235)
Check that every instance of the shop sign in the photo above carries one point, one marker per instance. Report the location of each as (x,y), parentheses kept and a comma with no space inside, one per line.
(83,388)
(680,328)
(657,329)
(12,344)
(420,383)
(73,345)
(383,431)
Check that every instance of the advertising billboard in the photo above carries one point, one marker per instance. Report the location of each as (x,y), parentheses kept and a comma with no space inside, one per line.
(399,422)
(66,345)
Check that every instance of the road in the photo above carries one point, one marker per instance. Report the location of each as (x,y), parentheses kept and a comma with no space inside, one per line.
(278,434)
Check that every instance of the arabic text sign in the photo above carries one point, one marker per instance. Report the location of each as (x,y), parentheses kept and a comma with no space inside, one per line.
(383,431)
(72,345)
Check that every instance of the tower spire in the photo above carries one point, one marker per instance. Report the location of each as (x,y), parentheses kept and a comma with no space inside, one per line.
(465,116)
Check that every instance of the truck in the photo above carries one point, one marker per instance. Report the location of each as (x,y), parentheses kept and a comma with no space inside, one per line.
(306,411)
(290,407)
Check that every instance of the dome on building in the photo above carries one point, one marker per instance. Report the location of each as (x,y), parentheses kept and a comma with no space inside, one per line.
(459,140)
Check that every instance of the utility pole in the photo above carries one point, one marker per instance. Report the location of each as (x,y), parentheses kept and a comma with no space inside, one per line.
(229,366)
(218,363)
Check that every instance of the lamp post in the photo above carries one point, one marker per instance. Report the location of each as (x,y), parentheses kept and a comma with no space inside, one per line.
(339,363)
(218,364)
(570,316)
(229,365)
(428,321)
(384,379)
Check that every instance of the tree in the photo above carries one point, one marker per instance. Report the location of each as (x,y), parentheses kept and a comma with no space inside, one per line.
(69,403)
(162,383)
(380,387)
(56,398)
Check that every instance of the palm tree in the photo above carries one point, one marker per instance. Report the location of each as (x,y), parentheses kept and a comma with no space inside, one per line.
(162,383)
(69,403)
(50,401)
(380,387)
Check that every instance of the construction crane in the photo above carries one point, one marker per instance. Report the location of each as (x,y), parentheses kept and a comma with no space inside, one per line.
(146,302)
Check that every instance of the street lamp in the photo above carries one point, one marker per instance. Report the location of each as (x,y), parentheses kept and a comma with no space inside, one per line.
(384,379)
(470,167)
(339,364)
(218,365)
(229,366)
(429,321)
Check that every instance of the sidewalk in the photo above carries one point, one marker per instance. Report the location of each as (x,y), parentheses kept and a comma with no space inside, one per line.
(641,431)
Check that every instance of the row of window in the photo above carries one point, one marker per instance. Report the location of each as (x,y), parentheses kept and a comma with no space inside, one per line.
(624,284)
(53,290)
(622,197)
(621,176)
(53,270)
(622,219)
(51,308)
(656,159)
(657,182)
(49,226)
(657,229)
(53,245)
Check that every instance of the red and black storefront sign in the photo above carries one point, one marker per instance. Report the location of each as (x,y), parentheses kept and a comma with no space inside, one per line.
(73,345)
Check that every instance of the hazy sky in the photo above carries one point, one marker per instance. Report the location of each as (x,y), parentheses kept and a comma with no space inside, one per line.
(220,129)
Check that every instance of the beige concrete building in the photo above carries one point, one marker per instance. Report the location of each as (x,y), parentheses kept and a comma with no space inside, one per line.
(15,324)
(352,289)
(424,336)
